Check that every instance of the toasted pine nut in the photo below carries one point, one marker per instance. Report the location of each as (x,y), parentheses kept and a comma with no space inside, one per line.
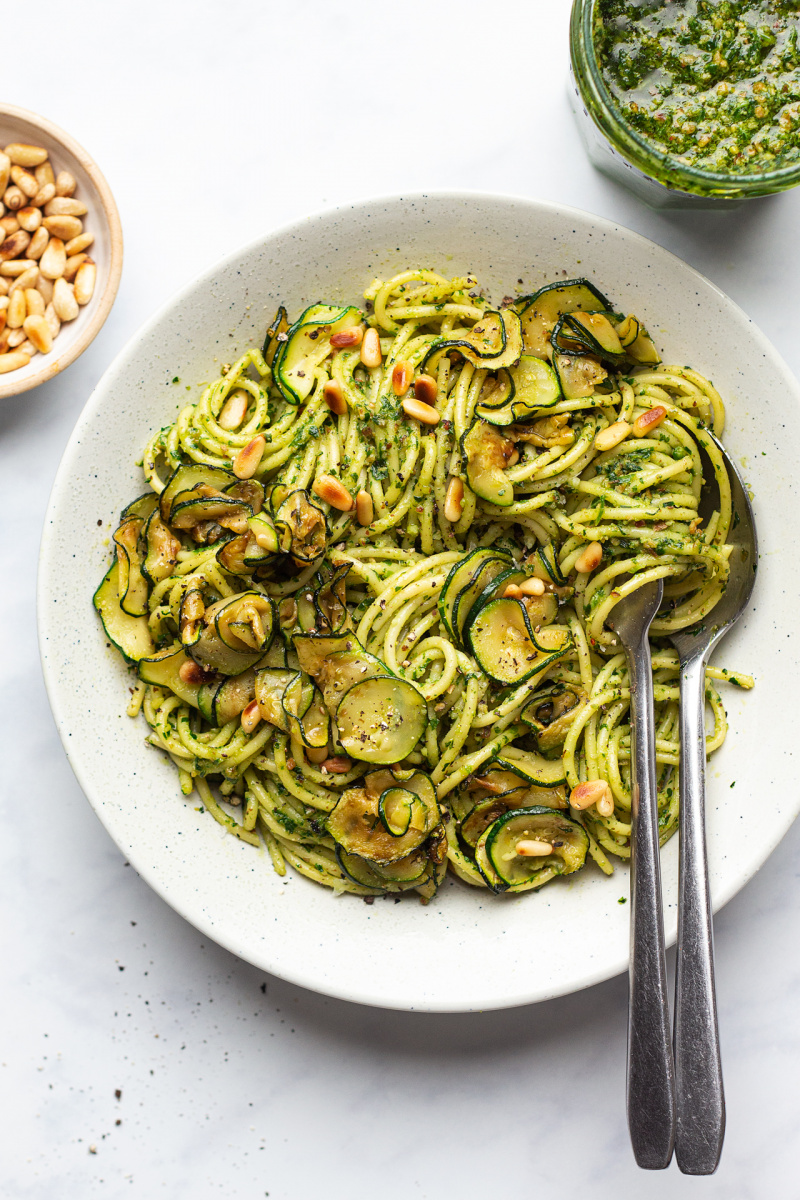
(44,195)
(45,288)
(9,224)
(24,181)
(64,227)
(12,362)
(426,389)
(532,587)
(3,317)
(587,794)
(533,848)
(608,438)
(365,510)
(646,422)
(348,337)
(425,413)
(15,337)
(316,754)
(371,349)
(26,280)
(251,716)
(605,805)
(34,302)
(192,672)
(3,286)
(17,310)
(16,266)
(64,301)
(454,500)
(44,174)
(54,259)
(513,458)
(82,242)
(38,243)
(24,155)
(338,765)
(61,206)
(51,316)
(29,218)
(402,373)
(13,198)
(233,410)
(37,329)
(333,492)
(5,171)
(85,281)
(65,184)
(334,398)
(14,245)
(589,558)
(245,463)
(73,264)
(26,346)
(513,591)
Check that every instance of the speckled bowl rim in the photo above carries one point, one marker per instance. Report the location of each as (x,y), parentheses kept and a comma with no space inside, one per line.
(305,976)
(102,307)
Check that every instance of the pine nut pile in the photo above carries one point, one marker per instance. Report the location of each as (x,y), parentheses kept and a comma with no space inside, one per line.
(46,276)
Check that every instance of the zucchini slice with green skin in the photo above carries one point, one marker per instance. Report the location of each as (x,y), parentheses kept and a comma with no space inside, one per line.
(270,685)
(506,646)
(235,633)
(536,387)
(306,716)
(494,585)
(540,312)
(578,374)
(161,557)
(186,478)
(487,811)
(643,350)
(461,575)
(380,720)
(481,583)
(355,823)
(313,649)
(535,769)
(270,539)
(408,802)
(505,869)
(307,526)
(487,453)
(550,713)
(131,635)
(493,342)
(307,345)
(221,701)
(275,335)
(330,603)
(545,566)
(337,663)
(597,328)
(133,586)
(163,670)
(142,506)
(500,392)
(401,876)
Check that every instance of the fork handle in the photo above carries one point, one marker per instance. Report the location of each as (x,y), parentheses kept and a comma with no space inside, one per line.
(698,1069)
(651,1078)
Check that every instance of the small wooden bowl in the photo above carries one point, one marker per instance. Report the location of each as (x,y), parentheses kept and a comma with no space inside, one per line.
(102,219)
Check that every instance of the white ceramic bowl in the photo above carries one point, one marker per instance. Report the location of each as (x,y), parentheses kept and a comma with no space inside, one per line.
(468,949)
(102,219)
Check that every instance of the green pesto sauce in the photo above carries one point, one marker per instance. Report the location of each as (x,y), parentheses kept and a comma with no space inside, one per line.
(712,83)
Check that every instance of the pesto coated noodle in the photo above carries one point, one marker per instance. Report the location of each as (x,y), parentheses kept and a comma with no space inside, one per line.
(367,593)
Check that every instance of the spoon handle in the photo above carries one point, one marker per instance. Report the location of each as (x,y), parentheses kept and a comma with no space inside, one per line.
(698,1070)
(651,1079)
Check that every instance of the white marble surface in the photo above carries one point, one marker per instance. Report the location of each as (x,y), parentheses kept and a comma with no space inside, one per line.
(213,123)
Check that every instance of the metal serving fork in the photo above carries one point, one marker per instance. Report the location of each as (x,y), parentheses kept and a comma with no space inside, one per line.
(698,1069)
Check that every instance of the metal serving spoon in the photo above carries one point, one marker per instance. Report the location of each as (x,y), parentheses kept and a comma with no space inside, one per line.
(698,1070)
(651,1077)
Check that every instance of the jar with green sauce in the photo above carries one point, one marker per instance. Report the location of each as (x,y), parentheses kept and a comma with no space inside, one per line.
(689,102)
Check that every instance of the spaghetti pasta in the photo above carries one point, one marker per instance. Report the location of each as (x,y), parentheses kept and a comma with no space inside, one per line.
(378,704)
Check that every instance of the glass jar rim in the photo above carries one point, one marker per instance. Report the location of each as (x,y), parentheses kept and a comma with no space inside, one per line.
(633,146)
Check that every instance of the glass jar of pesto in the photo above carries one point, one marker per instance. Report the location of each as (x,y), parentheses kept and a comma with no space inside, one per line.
(689,102)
